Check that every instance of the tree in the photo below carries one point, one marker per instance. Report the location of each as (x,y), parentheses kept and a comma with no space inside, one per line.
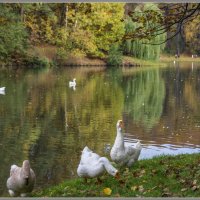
(176,15)
(192,36)
(114,55)
(141,48)
(100,25)
(13,36)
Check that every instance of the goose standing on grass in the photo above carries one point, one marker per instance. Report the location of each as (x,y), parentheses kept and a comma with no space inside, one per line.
(122,154)
(72,83)
(21,180)
(93,166)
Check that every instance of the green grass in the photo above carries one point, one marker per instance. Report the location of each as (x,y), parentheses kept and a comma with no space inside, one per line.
(165,176)
(135,61)
(182,58)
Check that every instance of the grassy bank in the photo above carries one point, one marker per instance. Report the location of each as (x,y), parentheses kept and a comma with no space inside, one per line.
(47,56)
(166,176)
(50,53)
(130,61)
(182,58)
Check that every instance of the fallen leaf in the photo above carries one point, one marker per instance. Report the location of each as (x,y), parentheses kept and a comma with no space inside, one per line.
(107,191)
(153,171)
(154,188)
(122,182)
(66,189)
(141,188)
(183,189)
(166,194)
(194,182)
(134,188)
(194,188)
(64,195)
(182,181)
(135,174)
(166,189)
(127,170)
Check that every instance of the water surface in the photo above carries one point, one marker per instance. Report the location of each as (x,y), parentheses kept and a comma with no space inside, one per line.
(45,121)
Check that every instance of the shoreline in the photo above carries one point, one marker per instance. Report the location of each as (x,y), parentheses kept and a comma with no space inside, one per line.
(40,62)
(163,176)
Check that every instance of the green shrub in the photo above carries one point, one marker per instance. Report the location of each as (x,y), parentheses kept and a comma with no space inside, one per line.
(114,56)
(36,62)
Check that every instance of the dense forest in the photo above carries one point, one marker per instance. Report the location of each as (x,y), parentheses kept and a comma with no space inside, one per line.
(43,33)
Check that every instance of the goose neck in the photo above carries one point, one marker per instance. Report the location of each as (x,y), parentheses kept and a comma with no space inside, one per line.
(108,167)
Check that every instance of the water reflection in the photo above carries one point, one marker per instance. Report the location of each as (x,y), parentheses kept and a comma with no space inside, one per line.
(45,121)
(145,93)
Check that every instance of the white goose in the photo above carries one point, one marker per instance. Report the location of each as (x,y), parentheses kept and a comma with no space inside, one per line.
(122,154)
(72,83)
(92,165)
(2,90)
(21,180)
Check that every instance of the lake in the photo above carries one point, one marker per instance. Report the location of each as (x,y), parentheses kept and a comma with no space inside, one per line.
(45,121)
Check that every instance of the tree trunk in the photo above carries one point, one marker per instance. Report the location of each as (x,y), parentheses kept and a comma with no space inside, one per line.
(22,13)
(178,41)
(63,15)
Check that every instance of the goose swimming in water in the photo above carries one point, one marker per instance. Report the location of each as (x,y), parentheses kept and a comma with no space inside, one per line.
(2,89)
(122,154)
(92,165)
(72,83)
(21,180)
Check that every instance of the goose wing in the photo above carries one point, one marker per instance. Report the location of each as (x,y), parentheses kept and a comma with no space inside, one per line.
(130,150)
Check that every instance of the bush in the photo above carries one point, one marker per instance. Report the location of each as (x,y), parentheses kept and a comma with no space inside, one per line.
(114,56)
(36,62)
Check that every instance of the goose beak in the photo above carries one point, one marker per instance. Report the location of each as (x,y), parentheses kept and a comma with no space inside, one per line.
(117,175)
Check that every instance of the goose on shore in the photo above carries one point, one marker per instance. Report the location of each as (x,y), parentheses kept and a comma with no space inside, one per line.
(21,180)
(93,166)
(122,154)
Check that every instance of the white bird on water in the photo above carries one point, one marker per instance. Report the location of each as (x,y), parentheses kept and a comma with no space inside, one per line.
(72,83)
(2,90)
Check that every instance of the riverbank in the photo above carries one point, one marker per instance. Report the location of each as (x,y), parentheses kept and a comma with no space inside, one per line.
(165,176)
(50,53)
(49,56)
(182,58)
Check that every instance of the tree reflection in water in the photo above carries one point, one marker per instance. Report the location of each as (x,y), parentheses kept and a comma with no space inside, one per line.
(43,120)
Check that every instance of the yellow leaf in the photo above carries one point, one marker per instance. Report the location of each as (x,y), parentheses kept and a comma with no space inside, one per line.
(134,188)
(107,191)
(183,189)
(194,182)
(141,188)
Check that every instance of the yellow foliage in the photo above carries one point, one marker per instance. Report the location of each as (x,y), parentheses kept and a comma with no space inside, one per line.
(107,191)
(134,188)
(191,29)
